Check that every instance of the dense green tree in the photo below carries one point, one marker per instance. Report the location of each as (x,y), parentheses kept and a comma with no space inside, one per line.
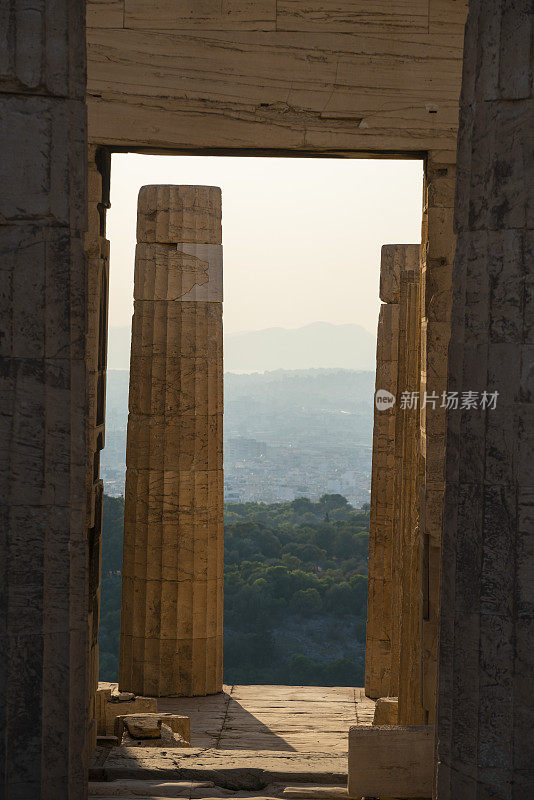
(295,591)
(307,602)
(332,501)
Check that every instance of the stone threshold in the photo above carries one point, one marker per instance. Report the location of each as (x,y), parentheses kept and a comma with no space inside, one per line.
(229,769)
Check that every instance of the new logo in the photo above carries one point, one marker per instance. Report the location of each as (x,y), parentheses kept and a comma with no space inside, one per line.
(384,399)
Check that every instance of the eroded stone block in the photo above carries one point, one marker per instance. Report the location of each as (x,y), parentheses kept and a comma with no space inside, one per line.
(394,259)
(391,761)
(154,728)
(139,705)
(386,711)
(170,214)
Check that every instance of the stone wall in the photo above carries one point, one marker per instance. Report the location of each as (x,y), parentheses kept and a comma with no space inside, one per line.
(330,77)
(485,746)
(43,547)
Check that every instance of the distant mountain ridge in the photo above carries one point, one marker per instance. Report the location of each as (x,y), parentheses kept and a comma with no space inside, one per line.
(319,345)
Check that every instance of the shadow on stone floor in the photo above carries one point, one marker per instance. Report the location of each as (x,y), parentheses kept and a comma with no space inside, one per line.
(243,731)
(219,721)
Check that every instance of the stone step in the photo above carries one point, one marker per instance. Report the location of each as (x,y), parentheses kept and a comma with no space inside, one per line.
(170,797)
(201,790)
(314,792)
(147,789)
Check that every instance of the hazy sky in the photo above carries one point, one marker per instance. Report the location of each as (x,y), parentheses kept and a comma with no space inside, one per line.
(301,236)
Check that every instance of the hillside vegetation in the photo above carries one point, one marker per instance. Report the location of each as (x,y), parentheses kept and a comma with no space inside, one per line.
(295,591)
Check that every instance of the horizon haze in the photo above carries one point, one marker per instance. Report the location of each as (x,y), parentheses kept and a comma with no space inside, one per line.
(301,236)
(318,345)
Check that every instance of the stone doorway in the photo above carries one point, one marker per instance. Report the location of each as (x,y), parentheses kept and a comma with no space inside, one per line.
(387,165)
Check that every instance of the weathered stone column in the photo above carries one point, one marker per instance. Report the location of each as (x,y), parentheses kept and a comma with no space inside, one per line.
(383,630)
(485,746)
(43,402)
(408,555)
(378,677)
(437,253)
(171,626)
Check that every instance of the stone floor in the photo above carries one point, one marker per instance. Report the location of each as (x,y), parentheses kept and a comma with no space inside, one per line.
(248,741)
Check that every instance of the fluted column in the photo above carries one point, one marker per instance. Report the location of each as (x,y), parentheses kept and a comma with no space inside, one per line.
(408,564)
(171,624)
(378,674)
(383,625)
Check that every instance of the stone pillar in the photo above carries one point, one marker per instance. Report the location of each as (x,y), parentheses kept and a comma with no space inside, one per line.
(407,563)
(397,578)
(43,546)
(383,642)
(437,253)
(485,746)
(378,678)
(171,625)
